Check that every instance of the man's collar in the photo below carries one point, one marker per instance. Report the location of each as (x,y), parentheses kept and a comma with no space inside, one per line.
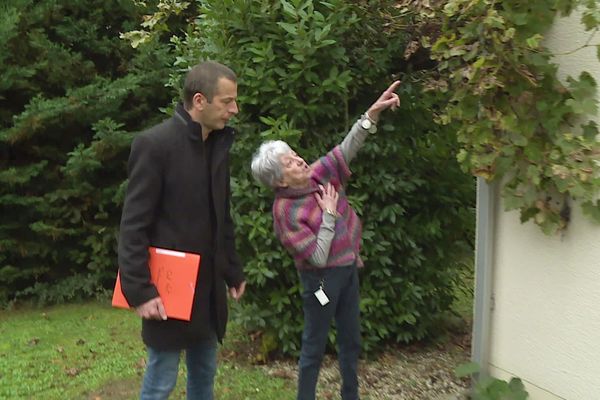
(194,128)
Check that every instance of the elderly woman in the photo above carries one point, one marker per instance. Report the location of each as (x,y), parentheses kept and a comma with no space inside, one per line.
(317,225)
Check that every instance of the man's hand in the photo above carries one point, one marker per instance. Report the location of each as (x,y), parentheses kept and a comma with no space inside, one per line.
(237,292)
(388,99)
(152,309)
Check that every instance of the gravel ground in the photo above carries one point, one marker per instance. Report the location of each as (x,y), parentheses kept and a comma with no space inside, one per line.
(403,373)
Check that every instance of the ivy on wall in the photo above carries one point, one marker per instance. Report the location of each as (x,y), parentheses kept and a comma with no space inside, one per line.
(518,124)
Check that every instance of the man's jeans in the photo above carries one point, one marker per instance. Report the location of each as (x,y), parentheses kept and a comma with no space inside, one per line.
(162,368)
(341,287)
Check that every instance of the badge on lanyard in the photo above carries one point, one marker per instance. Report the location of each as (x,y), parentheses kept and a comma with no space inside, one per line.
(320,294)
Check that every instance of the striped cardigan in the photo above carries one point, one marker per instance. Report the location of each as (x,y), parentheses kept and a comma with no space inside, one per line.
(297,216)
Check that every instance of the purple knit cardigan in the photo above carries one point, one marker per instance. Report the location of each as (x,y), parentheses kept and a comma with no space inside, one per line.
(297,216)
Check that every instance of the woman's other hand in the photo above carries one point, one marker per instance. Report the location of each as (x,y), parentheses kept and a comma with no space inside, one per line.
(328,197)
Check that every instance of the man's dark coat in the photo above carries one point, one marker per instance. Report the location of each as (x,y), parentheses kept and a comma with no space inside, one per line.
(167,206)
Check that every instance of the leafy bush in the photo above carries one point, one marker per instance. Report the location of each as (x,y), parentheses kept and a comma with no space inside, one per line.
(307,70)
(490,388)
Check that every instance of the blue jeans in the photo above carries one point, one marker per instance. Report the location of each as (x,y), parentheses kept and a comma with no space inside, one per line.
(162,368)
(341,287)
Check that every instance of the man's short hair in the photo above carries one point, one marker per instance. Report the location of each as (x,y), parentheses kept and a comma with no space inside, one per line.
(203,78)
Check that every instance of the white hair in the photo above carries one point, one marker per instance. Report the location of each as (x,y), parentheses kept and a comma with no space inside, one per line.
(266,164)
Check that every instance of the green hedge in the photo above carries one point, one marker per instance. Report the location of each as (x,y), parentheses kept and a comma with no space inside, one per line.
(307,70)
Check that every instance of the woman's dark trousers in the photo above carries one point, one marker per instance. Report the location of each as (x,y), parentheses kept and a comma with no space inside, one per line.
(341,287)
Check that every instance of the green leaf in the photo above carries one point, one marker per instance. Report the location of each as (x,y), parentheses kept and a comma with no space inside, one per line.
(583,88)
(289,28)
(534,41)
(592,210)
(591,19)
(327,42)
(528,213)
(520,18)
(512,202)
(467,369)
(590,131)
(517,389)
(583,107)
(321,33)
(289,9)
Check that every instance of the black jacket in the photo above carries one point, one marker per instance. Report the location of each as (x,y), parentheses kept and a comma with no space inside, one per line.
(167,205)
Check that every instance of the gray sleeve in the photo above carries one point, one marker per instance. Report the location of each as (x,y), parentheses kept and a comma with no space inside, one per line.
(353,142)
(324,240)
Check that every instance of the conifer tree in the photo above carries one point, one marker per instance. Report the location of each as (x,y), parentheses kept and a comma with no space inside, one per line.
(71,95)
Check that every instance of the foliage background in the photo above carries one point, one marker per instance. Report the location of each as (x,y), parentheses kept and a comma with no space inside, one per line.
(307,70)
(73,94)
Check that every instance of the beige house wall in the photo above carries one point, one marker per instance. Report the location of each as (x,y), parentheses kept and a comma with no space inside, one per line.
(545,319)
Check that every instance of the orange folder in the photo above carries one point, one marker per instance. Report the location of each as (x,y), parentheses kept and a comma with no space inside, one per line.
(174,274)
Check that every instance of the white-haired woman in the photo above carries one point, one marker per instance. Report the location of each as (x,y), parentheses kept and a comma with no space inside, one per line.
(317,225)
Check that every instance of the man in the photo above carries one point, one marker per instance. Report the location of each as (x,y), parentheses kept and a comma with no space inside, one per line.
(178,198)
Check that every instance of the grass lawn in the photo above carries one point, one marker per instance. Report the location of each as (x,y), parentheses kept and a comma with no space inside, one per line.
(92,351)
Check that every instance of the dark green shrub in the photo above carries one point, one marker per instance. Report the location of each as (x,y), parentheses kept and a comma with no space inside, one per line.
(307,70)
(71,92)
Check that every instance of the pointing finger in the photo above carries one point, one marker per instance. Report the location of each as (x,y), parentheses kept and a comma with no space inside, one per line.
(392,87)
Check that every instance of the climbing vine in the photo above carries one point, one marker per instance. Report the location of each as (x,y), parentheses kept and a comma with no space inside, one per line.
(518,124)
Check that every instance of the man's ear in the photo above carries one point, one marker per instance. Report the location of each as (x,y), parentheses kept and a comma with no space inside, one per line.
(199,101)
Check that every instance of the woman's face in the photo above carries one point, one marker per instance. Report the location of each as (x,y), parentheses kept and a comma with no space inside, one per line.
(296,172)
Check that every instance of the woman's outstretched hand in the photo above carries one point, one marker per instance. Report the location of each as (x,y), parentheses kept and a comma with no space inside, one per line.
(388,99)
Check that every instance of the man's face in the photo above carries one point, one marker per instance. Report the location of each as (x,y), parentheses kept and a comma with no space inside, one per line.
(218,112)
(296,172)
